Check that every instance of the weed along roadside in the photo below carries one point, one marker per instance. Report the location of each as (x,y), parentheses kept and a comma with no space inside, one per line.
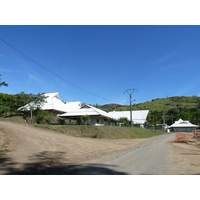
(5,143)
(101,132)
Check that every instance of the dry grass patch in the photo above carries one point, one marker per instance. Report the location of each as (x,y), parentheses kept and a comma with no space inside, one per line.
(5,143)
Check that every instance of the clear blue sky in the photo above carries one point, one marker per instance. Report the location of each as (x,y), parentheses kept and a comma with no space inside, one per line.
(95,64)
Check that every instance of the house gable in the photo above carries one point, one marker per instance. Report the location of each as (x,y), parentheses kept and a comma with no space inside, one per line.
(53,102)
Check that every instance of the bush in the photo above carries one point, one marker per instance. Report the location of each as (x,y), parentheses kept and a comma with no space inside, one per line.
(43,117)
(124,121)
(86,119)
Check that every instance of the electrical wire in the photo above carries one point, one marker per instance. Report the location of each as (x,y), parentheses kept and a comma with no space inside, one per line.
(50,71)
(55,53)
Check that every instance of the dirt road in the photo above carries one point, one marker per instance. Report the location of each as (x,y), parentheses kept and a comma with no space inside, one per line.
(151,157)
(158,155)
(35,151)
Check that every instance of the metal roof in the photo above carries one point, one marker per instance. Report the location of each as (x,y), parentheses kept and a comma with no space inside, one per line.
(138,116)
(53,102)
(87,110)
(182,124)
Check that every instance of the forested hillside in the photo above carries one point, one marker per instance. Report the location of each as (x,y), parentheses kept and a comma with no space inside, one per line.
(173,108)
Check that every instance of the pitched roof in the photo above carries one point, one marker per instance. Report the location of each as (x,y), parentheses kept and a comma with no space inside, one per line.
(138,116)
(87,110)
(53,102)
(51,95)
(182,124)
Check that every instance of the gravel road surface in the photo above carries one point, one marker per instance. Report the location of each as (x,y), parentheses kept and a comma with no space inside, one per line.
(35,151)
(152,157)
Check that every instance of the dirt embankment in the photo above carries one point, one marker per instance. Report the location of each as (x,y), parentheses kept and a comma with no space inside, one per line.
(5,142)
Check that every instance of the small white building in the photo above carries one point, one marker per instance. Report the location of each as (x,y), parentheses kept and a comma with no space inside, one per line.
(183,126)
(53,103)
(98,117)
(138,116)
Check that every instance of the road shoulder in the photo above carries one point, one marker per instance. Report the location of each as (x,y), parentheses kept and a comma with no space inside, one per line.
(185,157)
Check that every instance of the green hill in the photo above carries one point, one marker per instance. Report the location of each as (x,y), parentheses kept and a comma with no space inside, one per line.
(160,105)
(173,108)
(166,104)
(111,106)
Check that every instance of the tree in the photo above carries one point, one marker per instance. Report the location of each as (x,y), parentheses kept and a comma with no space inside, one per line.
(185,115)
(198,105)
(124,121)
(86,119)
(32,102)
(155,117)
(43,116)
(6,102)
(196,117)
(3,83)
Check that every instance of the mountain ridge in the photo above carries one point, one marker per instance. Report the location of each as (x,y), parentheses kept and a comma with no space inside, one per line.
(158,104)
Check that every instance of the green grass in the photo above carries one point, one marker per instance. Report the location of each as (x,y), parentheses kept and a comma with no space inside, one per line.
(162,104)
(106,132)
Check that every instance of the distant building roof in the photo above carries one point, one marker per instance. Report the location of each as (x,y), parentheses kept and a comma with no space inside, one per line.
(138,116)
(182,124)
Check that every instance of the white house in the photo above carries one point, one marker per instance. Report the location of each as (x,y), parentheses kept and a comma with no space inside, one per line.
(138,116)
(98,117)
(183,126)
(53,103)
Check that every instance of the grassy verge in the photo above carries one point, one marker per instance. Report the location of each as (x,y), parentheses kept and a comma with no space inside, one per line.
(13,119)
(107,132)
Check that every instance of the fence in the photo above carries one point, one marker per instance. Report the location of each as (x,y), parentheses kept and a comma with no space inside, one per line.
(196,134)
(152,127)
(182,137)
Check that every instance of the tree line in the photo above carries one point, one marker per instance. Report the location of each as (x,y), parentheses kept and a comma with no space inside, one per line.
(174,114)
(166,110)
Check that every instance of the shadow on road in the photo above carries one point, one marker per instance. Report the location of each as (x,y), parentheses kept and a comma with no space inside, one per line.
(50,163)
(195,154)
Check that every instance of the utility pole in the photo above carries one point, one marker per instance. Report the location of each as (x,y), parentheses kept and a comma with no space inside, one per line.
(154,121)
(130,92)
(163,122)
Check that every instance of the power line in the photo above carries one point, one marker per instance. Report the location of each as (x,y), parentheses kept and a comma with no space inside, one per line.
(50,71)
(55,53)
